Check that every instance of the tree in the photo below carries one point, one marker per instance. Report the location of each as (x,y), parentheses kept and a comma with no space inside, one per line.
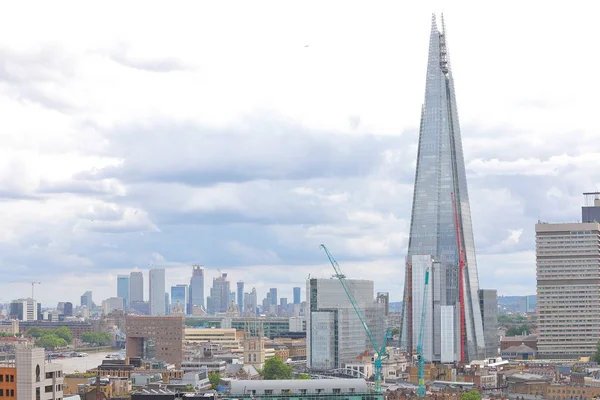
(276,369)
(303,376)
(36,332)
(50,341)
(471,395)
(518,330)
(214,378)
(64,333)
(99,338)
(395,331)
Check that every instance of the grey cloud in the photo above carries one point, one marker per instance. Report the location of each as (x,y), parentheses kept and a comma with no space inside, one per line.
(123,55)
(274,151)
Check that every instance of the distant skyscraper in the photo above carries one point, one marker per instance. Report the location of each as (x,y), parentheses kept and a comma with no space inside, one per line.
(123,289)
(179,299)
(196,294)
(167,304)
(250,302)
(68,310)
(297,295)
(157,291)
(440,177)
(218,301)
(240,296)
(86,300)
(273,293)
(568,285)
(136,286)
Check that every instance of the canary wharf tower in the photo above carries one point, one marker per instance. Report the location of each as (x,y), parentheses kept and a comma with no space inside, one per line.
(441,234)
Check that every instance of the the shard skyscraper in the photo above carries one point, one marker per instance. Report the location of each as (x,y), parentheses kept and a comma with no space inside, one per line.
(452,329)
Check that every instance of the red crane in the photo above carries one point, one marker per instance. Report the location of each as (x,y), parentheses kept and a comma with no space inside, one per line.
(461,285)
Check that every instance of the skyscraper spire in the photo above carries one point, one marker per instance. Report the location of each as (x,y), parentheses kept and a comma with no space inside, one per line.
(440,176)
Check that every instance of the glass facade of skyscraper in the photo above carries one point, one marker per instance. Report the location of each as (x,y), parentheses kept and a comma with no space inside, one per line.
(440,177)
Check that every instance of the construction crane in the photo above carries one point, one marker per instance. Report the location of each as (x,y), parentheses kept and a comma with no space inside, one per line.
(381,350)
(32,286)
(461,284)
(420,358)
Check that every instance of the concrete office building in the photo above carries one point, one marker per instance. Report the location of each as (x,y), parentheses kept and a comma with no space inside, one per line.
(155,337)
(568,285)
(488,304)
(25,309)
(452,333)
(86,300)
(136,286)
(36,379)
(157,291)
(112,304)
(334,333)
(273,296)
(123,287)
(196,295)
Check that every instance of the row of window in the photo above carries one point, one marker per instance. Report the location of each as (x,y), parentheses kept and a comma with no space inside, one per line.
(7,392)
(7,378)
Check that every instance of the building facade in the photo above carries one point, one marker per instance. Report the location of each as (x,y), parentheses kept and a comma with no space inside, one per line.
(297,292)
(8,382)
(250,302)
(24,310)
(568,285)
(123,286)
(240,296)
(334,333)
(218,301)
(86,300)
(196,288)
(157,338)
(488,305)
(440,210)
(111,304)
(157,291)
(136,286)
(179,299)
(36,379)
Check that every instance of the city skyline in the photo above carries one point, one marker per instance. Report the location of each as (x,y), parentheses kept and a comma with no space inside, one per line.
(297,139)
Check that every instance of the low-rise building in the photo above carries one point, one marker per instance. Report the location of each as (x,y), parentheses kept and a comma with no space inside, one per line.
(8,381)
(325,388)
(10,326)
(521,352)
(229,339)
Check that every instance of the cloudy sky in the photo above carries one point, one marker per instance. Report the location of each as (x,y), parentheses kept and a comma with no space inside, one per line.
(137,134)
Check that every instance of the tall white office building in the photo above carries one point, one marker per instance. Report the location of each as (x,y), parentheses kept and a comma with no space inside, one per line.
(568,285)
(136,286)
(157,291)
(334,333)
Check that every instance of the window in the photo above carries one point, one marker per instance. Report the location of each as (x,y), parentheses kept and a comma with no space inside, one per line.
(268,391)
(12,392)
(38,392)
(2,392)
(337,390)
(48,389)
(12,378)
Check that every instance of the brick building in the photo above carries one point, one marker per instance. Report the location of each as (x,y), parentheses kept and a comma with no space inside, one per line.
(156,338)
